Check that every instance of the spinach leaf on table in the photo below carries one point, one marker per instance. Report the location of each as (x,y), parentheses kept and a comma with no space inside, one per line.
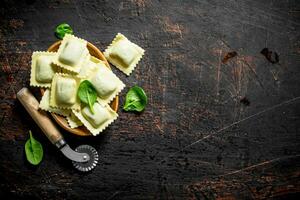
(63,29)
(136,99)
(33,150)
(87,94)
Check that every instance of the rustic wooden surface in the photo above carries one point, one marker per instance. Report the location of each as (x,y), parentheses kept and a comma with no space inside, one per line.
(196,139)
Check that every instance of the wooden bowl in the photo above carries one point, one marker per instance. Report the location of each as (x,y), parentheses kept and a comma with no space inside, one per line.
(81,131)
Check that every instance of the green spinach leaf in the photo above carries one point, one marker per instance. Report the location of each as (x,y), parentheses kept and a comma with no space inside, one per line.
(62,29)
(33,150)
(87,94)
(136,99)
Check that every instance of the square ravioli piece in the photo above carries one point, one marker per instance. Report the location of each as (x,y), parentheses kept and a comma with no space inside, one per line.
(97,122)
(45,105)
(64,91)
(124,54)
(73,121)
(42,69)
(106,83)
(72,53)
(88,67)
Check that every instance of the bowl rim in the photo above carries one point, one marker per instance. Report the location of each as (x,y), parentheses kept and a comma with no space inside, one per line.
(81,131)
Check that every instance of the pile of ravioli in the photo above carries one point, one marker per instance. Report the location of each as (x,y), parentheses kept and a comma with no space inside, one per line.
(61,73)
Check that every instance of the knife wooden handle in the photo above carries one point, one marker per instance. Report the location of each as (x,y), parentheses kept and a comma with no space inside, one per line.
(39,116)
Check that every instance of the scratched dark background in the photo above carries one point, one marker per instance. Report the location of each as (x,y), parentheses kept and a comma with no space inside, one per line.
(212,129)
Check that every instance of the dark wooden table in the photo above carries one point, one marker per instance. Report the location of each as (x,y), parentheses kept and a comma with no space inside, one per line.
(213,129)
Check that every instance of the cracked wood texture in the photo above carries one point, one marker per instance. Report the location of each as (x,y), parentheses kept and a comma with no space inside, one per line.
(218,125)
